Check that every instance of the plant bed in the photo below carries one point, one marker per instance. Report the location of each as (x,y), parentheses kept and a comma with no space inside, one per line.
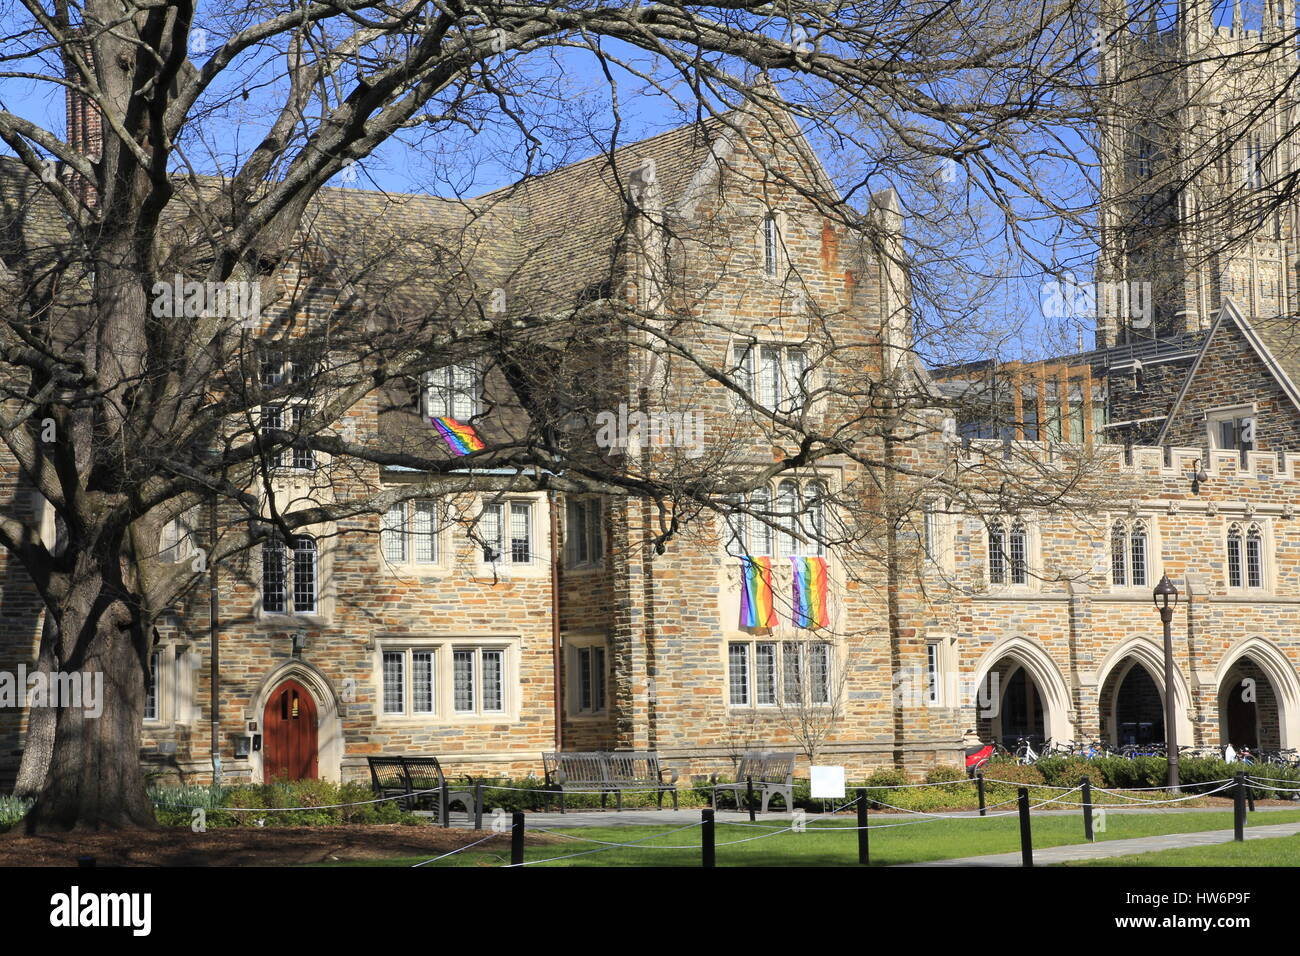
(244,846)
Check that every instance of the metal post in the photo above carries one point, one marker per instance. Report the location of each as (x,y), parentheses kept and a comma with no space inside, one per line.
(979,787)
(749,797)
(516,838)
(1239,809)
(706,839)
(478,804)
(864,854)
(1171,731)
(1087,810)
(1026,838)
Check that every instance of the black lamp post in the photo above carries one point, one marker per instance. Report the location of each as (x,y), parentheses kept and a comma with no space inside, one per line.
(1165,597)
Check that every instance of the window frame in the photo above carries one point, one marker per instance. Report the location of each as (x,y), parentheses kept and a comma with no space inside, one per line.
(810,507)
(763,365)
(577,672)
(289,573)
(443,651)
(1243,531)
(591,534)
(451,391)
(409,537)
(1000,530)
(781,672)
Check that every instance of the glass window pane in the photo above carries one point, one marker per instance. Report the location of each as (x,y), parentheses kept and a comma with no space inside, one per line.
(792,688)
(598,678)
(422,682)
(1019,566)
(796,364)
(738,674)
(819,673)
(463,680)
(744,374)
(151,690)
(489,531)
(1138,552)
(393,534)
(304,459)
(1118,564)
(424,531)
(1254,559)
(1234,558)
(759,533)
(521,542)
(997,556)
(394,682)
(765,673)
(304,575)
(274,585)
(769,377)
(584,678)
(493,680)
(787,507)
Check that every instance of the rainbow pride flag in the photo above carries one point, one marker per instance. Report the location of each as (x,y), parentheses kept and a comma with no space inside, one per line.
(461,439)
(810,593)
(756,606)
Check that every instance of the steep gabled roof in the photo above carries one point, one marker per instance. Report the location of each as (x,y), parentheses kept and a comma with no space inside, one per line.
(1274,340)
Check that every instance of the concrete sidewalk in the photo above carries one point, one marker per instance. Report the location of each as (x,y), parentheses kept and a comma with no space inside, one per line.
(1096,851)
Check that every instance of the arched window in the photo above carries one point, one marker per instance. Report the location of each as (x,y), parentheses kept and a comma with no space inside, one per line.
(997,553)
(1234,556)
(1254,557)
(1138,554)
(1019,552)
(1118,555)
(275,587)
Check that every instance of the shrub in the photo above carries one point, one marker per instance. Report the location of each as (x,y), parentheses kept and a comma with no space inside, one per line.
(1010,772)
(886,777)
(945,775)
(12,809)
(1070,771)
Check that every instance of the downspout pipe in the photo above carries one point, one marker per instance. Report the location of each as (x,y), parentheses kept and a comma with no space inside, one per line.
(552,507)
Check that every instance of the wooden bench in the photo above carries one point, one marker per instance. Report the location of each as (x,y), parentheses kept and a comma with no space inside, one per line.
(420,781)
(772,775)
(606,772)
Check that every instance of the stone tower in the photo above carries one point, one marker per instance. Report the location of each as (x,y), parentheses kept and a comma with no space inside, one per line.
(1195,141)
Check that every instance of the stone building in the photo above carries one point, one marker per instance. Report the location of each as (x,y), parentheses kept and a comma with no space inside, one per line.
(488,627)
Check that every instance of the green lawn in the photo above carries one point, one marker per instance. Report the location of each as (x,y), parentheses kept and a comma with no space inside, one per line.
(821,845)
(1271,851)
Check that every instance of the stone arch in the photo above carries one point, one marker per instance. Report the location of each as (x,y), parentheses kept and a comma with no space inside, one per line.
(1038,665)
(1281,674)
(329,741)
(1139,651)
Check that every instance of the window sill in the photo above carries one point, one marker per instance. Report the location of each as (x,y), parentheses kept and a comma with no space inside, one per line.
(280,619)
(584,568)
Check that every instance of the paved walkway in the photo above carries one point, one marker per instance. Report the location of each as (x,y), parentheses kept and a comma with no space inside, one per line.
(1097,851)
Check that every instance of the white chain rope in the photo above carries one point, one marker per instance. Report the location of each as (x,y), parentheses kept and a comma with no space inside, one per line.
(1194,796)
(1258,782)
(319,806)
(611,846)
(459,849)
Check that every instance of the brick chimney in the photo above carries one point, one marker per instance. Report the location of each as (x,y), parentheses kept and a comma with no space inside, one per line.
(85,129)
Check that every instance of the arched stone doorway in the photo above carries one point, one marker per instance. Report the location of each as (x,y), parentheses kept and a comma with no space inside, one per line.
(1248,708)
(1131,696)
(1133,706)
(1021,694)
(1258,697)
(316,694)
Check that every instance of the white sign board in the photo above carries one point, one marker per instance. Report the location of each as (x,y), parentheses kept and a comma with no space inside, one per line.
(827,783)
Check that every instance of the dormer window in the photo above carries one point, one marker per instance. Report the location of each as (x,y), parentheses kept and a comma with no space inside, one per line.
(454,391)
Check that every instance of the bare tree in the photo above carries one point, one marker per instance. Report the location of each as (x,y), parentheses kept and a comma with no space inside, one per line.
(212,161)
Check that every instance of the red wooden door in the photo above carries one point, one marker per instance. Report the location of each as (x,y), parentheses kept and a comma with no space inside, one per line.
(289,729)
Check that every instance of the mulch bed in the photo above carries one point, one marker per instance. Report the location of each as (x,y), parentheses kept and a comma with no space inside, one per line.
(242,846)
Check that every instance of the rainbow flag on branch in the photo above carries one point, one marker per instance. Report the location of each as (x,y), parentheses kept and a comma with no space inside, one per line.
(810,593)
(461,439)
(756,606)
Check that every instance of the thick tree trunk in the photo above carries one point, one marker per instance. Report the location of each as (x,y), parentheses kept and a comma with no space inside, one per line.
(38,746)
(94,780)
